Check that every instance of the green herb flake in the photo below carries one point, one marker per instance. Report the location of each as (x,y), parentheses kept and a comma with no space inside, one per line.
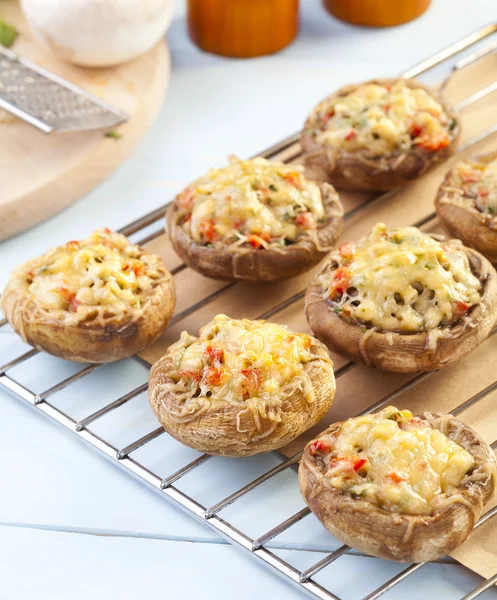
(491,210)
(395,416)
(8,34)
(429,266)
(112,133)
(452,124)
(337,310)
(273,188)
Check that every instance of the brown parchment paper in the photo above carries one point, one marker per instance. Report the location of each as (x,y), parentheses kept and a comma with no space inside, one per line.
(361,387)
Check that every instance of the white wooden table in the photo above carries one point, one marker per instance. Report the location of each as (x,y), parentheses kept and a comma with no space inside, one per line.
(73,526)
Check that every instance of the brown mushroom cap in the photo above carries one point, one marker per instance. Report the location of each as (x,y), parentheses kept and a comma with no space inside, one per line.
(362,170)
(462,219)
(399,536)
(251,264)
(406,353)
(101,339)
(219,430)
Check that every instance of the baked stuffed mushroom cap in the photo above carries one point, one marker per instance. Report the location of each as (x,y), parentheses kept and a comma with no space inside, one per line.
(399,487)
(95,300)
(403,301)
(466,203)
(254,220)
(378,135)
(241,387)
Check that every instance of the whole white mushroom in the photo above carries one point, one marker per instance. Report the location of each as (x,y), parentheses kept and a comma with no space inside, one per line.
(98,33)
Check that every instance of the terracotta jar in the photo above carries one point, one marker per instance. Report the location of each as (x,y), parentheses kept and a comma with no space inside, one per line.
(242,28)
(376,13)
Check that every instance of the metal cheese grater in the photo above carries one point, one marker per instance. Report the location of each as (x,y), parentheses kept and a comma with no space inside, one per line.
(48,101)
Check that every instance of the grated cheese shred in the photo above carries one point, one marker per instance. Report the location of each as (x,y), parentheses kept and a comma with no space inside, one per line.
(253,203)
(99,277)
(400,280)
(394,460)
(253,365)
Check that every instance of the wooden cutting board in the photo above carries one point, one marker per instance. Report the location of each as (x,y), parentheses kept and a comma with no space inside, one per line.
(42,174)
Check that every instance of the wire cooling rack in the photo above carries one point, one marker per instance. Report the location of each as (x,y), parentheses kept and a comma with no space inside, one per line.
(166,485)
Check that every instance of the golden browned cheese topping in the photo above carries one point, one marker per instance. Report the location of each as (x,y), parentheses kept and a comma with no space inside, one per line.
(394,460)
(251,203)
(478,182)
(400,280)
(253,364)
(102,274)
(384,119)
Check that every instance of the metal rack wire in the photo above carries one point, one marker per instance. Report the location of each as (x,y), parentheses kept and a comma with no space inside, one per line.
(164,485)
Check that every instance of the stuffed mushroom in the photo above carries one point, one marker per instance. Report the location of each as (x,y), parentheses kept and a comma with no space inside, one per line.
(399,487)
(466,203)
(403,301)
(254,220)
(241,387)
(95,300)
(378,135)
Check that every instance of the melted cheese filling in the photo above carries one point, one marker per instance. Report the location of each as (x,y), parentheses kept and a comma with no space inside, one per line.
(394,460)
(384,119)
(240,360)
(102,273)
(400,280)
(478,181)
(255,202)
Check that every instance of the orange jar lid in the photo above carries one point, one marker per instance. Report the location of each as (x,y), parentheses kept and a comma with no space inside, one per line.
(242,28)
(376,13)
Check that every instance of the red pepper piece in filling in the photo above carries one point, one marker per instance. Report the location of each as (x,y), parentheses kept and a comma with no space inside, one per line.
(137,268)
(209,230)
(346,250)
(348,462)
(194,375)
(251,380)
(257,240)
(351,135)
(66,294)
(295,178)
(306,220)
(471,176)
(461,308)
(318,447)
(415,131)
(213,375)
(307,340)
(74,303)
(359,463)
(215,354)
(341,280)
(329,115)
(434,143)
(72,246)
